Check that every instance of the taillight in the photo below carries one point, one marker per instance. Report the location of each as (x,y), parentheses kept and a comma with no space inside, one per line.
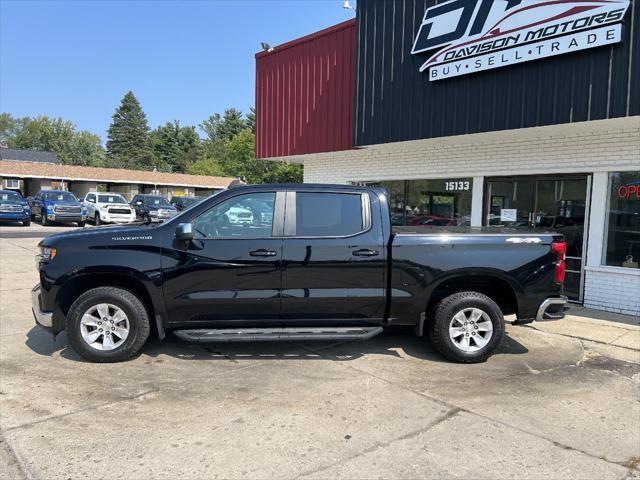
(560,249)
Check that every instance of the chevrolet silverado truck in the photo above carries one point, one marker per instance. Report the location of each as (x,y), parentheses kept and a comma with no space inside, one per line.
(108,208)
(316,262)
(58,206)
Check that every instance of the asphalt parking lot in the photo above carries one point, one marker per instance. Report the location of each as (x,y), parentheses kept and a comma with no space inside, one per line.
(547,406)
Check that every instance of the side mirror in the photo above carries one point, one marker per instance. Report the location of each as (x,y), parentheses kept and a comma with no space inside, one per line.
(184,231)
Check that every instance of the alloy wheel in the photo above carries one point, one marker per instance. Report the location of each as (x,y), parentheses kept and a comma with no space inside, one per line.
(471,329)
(104,326)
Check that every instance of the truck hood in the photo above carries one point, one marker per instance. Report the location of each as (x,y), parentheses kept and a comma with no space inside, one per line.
(103,235)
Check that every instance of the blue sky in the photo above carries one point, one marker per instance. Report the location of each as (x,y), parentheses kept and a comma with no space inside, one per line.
(184,60)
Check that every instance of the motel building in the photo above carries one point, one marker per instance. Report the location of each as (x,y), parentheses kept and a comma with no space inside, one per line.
(505,113)
(28,172)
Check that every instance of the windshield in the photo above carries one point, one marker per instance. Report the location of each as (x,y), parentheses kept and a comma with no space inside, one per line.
(161,201)
(60,196)
(191,201)
(111,199)
(10,196)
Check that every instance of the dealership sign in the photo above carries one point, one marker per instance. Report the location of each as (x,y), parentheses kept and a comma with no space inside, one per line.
(468,36)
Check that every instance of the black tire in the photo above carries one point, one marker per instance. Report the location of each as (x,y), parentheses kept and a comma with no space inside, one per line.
(82,224)
(443,314)
(33,217)
(96,219)
(26,223)
(132,307)
(44,221)
(146,219)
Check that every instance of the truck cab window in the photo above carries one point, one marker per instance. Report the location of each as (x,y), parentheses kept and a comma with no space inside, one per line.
(246,216)
(328,214)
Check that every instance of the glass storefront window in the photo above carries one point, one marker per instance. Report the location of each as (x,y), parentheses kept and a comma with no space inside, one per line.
(429,203)
(622,228)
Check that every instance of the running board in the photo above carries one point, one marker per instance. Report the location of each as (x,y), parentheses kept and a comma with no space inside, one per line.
(277,334)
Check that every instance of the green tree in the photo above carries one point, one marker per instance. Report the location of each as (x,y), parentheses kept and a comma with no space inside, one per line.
(9,126)
(235,157)
(175,147)
(251,120)
(223,127)
(206,166)
(73,147)
(128,141)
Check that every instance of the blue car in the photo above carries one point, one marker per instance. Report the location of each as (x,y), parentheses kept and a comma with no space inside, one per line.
(14,208)
(58,206)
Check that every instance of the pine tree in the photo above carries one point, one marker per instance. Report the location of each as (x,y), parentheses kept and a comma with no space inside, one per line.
(128,142)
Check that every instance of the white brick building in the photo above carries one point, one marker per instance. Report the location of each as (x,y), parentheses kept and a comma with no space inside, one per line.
(550,144)
(595,148)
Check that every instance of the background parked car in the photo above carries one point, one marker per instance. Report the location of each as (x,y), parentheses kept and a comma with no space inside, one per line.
(153,208)
(14,208)
(182,203)
(58,206)
(108,208)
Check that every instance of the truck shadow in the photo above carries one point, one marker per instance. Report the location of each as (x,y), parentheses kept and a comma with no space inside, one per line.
(396,342)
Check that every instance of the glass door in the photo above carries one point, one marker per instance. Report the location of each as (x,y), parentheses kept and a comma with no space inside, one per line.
(510,203)
(561,206)
(557,203)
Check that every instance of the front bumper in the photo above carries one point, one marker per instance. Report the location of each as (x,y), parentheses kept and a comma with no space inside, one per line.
(161,217)
(57,217)
(552,308)
(44,319)
(117,217)
(15,217)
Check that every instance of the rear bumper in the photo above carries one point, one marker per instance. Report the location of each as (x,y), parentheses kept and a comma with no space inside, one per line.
(44,319)
(552,308)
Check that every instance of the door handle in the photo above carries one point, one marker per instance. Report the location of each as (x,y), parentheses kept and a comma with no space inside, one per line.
(364,252)
(262,253)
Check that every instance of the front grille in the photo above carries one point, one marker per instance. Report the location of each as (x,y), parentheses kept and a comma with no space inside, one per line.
(65,209)
(10,208)
(126,211)
(244,215)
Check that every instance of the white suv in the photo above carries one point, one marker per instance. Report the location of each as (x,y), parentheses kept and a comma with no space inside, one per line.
(108,208)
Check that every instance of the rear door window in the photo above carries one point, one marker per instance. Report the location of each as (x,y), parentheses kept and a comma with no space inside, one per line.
(328,214)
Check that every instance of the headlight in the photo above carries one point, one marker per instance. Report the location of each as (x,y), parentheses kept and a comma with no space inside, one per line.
(26,208)
(48,253)
(153,212)
(49,208)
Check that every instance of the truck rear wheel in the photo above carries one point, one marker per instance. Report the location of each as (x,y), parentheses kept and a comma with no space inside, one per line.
(107,324)
(467,327)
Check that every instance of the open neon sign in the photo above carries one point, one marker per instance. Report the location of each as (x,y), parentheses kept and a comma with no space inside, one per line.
(629,191)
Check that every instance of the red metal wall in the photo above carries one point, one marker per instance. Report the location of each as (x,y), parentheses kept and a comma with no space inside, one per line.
(305,92)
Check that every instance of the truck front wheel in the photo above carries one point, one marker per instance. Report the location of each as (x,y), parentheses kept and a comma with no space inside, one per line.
(107,324)
(467,327)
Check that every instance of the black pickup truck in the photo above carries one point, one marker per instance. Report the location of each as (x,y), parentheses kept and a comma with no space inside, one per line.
(293,262)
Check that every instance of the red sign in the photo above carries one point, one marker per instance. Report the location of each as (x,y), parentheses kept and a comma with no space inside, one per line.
(629,191)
